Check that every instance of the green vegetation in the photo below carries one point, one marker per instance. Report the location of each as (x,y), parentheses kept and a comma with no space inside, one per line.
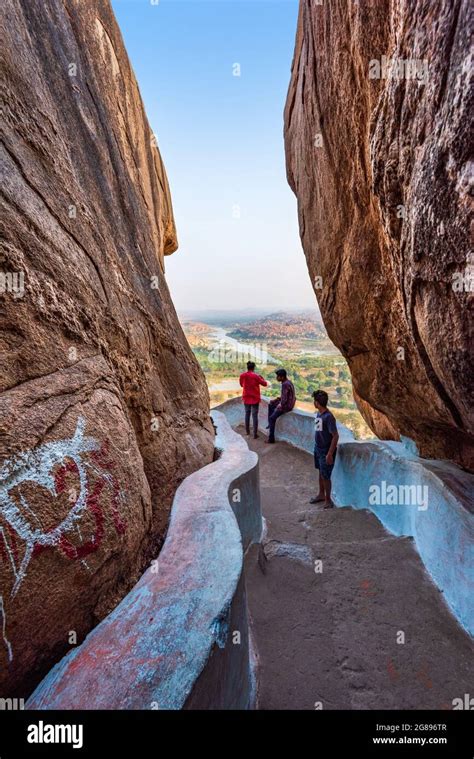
(308,372)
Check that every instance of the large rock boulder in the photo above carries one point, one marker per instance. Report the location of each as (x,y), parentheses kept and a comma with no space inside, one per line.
(103,409)
(377,128)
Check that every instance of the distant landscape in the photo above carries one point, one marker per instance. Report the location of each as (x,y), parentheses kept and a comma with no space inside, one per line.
(224,341)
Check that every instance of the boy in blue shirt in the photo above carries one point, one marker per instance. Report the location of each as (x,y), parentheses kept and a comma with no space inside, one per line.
(325,447)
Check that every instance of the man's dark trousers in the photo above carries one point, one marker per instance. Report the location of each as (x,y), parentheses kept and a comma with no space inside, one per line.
(251,408)
(273,414)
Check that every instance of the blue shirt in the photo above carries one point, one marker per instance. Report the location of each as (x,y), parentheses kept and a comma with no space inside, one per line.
(325,426)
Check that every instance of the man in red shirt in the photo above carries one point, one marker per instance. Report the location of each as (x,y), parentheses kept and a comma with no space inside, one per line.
(250,382)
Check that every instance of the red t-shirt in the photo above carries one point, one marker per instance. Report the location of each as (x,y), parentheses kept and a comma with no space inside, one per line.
(251,386)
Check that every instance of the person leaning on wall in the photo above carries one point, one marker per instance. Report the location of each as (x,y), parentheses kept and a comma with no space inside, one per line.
(282,405)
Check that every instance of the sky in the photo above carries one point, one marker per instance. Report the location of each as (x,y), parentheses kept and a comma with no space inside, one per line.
(221,139)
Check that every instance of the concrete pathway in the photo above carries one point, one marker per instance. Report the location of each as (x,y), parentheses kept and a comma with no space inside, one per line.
(330,635)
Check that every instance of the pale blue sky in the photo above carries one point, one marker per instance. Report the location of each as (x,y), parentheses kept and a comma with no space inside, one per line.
(221,138)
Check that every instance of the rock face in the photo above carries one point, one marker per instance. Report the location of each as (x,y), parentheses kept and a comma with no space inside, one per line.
(377,128)
(103,408)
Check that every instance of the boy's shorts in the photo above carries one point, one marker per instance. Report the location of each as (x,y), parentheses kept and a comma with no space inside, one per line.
(325,469)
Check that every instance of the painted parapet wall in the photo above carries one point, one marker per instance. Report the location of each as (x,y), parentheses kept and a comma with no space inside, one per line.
(432,500)
(172,642)
(296,428)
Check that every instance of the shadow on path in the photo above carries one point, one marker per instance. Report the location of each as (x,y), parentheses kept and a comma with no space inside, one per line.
(328,638)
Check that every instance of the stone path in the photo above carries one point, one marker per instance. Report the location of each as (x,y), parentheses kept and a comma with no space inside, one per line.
(328,639)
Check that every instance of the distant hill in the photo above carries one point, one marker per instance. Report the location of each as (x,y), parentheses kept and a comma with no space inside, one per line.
(195,328)
(282,326)
(197,333)
(237,317)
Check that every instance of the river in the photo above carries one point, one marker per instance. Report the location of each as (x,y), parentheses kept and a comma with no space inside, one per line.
(225,345)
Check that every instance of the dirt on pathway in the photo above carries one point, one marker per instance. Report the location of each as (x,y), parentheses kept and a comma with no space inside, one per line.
(345,615)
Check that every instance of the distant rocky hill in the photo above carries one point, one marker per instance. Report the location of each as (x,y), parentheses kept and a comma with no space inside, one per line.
(281,326)
(195,328)
(197,333)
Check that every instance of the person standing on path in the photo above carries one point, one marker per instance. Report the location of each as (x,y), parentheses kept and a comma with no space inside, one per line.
(279,406)
(250,382)
(325,447)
